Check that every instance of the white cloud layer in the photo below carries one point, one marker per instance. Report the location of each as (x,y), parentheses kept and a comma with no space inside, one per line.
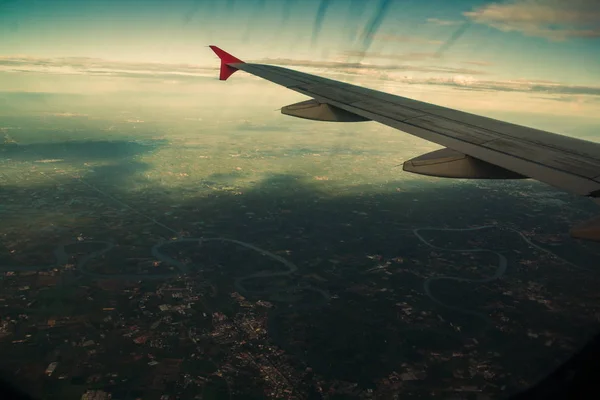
(465,88)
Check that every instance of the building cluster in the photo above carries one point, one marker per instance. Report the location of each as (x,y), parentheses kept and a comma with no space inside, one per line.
(182,336)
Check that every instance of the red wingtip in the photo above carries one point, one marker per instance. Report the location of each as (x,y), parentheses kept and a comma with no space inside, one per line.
(226,59)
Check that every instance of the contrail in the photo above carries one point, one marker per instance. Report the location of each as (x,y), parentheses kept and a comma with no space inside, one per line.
(285,16)
(373,25)
(357,7)
(287,7)
(323,6)
(258,10)
(187,18)
(453,38)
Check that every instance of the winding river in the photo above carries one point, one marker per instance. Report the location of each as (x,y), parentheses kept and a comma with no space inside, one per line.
(500,270)
(285,295)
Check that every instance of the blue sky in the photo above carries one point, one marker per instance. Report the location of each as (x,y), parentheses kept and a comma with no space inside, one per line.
(175,31)
(526,52)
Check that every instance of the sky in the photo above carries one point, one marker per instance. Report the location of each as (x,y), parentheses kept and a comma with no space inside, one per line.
(535,57)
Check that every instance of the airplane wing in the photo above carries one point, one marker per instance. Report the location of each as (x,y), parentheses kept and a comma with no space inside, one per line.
(475,146)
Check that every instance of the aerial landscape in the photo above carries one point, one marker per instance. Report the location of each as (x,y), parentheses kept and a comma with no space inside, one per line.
(166,235)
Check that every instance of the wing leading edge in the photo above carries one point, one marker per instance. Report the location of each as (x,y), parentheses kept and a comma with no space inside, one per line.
(476,147)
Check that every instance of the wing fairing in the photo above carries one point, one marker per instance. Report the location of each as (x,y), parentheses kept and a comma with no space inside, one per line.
(448,163)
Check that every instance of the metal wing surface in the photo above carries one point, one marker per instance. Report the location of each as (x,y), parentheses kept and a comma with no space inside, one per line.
(567,163)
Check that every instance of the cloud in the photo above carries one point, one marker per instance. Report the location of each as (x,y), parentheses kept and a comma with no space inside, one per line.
(360,68)
(496,98)
(527,86)
(99,67)
(556,20)
(443,22)
(403,57)
(478,63)
(387,37)
(66,114)
(580,99)
(387,76)
(414,56)
(455,78)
